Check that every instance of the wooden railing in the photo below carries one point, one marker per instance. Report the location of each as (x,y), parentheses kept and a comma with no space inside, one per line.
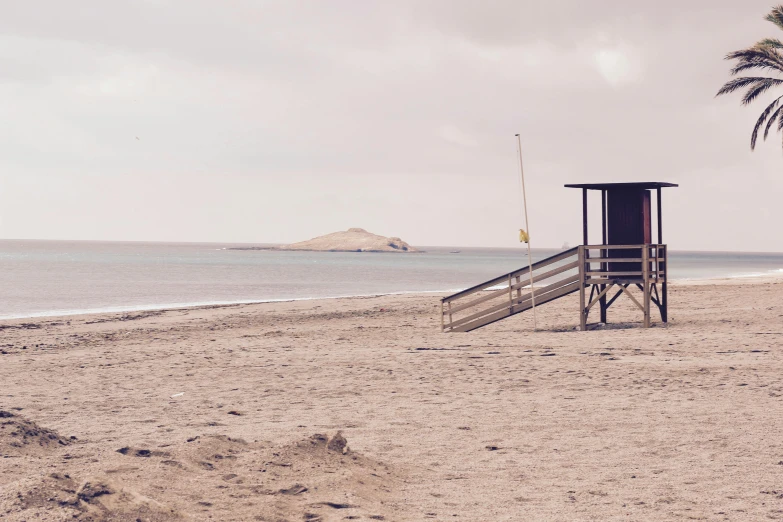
(647,272)
(486,303)
(503,296)
(651,263)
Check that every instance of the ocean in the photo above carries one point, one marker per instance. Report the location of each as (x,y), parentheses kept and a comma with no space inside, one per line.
(46,278)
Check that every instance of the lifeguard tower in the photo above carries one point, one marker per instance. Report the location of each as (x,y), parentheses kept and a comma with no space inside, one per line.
(625,259)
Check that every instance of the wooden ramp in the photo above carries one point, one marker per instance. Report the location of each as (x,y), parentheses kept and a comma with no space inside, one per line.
(510,294)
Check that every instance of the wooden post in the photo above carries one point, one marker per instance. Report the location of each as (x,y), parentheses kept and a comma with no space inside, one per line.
(604,266)
(583,255)
(519,289)
(442,327)
(584,217)
(664,299)
(451,320)
(510,296)
(660,218)
(582,315)
(646,283)
(665,266)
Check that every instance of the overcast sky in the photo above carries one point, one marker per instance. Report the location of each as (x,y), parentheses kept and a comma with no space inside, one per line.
(253,121)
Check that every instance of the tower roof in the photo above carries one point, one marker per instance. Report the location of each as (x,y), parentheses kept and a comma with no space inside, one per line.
(641,185)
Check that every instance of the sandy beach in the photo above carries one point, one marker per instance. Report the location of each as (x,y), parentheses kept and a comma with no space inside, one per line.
(361,409)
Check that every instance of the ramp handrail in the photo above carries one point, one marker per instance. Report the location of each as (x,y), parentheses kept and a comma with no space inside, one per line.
(504,301)
(522,271)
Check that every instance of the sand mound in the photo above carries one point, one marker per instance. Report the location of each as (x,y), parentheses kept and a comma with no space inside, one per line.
(320,479)
(352,240)
(100,499)
(93,500)
(19,436)
(211,452)
(218,477)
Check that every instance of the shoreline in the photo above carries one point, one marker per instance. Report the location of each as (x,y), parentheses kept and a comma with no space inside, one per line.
(53,314)
(208,304)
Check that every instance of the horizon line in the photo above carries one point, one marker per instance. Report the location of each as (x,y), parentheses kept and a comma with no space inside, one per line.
(146,241)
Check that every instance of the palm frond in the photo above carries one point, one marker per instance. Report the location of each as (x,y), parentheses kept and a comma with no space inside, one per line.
(773,43)
(759,89)
(756,58)
(760,52)
(772,119)
(740,83)
(776,16)
(755,66)
(760,122)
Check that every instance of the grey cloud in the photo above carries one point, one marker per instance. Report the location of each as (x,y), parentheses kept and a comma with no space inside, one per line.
(415,98)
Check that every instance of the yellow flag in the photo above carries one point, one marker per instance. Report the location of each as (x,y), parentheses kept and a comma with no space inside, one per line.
(523,237)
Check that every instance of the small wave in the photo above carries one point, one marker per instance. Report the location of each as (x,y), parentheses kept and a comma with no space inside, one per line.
(773,272)
(198,304)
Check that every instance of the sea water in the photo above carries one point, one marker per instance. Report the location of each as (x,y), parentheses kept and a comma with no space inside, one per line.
(44,278)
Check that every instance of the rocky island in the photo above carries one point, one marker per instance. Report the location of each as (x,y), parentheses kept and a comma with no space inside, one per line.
(351,240)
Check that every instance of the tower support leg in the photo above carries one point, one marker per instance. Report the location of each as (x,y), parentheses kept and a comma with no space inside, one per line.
(664,298)
(646,284)
(582,312)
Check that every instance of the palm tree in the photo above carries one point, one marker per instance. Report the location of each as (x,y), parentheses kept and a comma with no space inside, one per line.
(766,55)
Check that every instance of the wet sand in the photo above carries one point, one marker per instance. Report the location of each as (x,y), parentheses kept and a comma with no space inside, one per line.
(233,413)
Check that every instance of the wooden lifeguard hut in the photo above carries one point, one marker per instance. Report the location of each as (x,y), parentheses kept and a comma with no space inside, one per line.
(625,258)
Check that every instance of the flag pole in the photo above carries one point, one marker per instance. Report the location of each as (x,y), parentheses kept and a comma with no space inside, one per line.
(527,227)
